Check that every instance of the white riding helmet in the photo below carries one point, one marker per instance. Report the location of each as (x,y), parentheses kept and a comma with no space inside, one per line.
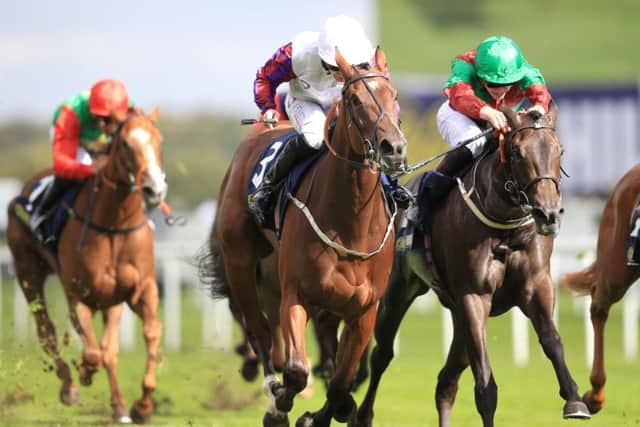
(348,35)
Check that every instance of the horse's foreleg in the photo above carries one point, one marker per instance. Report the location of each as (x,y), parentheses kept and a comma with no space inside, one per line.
(447,387)
(293,319)
(475,313)
(540,310)
(393,307)
(147,308)
(81,318)
(31,282)
(325,325)
(110,350)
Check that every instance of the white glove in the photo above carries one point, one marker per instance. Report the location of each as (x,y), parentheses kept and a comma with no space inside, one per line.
(270,117)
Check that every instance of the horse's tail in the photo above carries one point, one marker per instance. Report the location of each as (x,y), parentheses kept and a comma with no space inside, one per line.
(210,263)
(580,281)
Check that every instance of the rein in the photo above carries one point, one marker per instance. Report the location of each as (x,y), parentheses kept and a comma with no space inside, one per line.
(516,195)
(371,158)
(371,146)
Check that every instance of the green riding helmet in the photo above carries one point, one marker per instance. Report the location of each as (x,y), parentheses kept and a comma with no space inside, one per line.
(499,60)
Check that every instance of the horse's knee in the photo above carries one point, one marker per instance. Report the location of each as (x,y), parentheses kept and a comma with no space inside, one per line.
(295,375)
(381,355)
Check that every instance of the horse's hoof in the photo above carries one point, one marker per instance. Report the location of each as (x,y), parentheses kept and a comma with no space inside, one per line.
(576,410)
(345,411)
(283,399)
(124,419)
(70,397)
(138,417)
(250,370)
(594,405)
(306,420)
(271,420)
(119,415)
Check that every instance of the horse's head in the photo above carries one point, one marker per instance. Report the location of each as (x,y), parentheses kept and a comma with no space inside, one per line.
(369,101)
(136,157)
(531,158)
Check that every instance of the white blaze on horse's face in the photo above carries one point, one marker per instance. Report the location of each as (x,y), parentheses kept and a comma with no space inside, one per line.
(154,183)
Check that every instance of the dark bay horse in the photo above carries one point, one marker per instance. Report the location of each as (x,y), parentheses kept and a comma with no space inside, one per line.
(335,251)
(490,246)
(105,257)
(608,277)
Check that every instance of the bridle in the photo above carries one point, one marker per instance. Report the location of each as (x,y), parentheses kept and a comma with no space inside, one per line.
(134,177)
(516,191)
(371,146)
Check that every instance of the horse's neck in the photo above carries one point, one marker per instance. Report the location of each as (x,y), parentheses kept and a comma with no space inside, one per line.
(114,205)
(490,184)
(356,190)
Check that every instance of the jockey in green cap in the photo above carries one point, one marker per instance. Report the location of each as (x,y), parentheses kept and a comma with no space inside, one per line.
(482,81)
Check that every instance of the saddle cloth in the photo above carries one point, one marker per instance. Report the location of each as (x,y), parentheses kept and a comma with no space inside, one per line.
(51,227)
(265,163)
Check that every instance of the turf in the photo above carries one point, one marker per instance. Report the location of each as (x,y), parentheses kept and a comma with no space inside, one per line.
(201,387)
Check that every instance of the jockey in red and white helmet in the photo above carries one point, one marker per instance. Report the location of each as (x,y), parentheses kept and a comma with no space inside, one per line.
(82,125)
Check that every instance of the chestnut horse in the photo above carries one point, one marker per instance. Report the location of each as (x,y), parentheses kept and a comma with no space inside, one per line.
(335,250)
(608,277)
(105,257)
(491,247)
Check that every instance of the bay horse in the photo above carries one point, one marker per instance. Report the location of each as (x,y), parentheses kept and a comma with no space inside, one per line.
(104,257)
(608,277)
(490,248)
(335,250)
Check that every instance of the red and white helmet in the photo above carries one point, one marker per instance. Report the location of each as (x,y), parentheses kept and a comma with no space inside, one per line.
(109,98)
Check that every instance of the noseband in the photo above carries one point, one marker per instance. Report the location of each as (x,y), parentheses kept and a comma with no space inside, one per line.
(518,193)
(371,146)
(134,177)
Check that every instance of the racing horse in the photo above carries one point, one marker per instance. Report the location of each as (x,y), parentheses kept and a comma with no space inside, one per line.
(104,257)
(608,277)
(489,251)
(336,246)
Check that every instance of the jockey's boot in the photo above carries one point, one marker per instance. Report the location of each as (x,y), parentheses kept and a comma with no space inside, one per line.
(455,161)
(263,198)
(50,202)
(397,192)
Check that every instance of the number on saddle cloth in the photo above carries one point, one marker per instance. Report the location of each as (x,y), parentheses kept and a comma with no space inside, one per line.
(633,243)
(265,163)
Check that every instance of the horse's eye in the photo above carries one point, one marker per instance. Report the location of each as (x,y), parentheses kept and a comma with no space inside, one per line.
(355,101)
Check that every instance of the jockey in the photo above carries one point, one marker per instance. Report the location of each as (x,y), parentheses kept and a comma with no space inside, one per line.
(481,82)
(82,125)
(308,63)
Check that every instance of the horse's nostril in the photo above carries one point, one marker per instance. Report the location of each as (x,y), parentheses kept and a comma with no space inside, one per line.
(147,191)
(386,148)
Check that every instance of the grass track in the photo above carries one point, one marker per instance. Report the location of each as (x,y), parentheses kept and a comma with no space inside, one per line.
(201,387)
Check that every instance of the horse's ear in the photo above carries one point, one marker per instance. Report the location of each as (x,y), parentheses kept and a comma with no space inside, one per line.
(154,114)
(514,119)
(381,60)
(552,115)
(346,68)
